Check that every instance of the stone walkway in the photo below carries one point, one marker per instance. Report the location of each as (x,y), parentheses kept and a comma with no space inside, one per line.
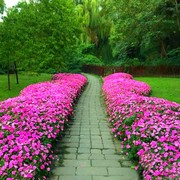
(88,150)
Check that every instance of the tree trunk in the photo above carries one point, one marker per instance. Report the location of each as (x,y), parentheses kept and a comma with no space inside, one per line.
(163,49)
(177,11)
(16,73)
(9,87)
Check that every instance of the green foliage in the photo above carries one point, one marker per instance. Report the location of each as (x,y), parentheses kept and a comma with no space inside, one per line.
(40,35)
(129,121)
(126,62)
(87,48)
(76,64)
(61,35)
(174,56)
(2,5)
(149,30)
(1,71)
(90,59)
(83,55)
(96,26)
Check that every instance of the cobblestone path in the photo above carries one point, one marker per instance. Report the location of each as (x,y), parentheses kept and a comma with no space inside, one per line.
(88,149)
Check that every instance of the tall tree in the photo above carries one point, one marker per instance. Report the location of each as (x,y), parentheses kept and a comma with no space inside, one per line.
(2,6)
(44,33)
(147,28)
(97,25)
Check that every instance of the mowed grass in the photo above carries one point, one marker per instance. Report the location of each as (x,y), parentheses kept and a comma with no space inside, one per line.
(167,88)
(25,79)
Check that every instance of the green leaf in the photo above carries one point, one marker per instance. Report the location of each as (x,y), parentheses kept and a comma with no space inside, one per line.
(129,121)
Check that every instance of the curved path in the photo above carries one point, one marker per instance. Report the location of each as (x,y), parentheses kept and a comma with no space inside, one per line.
(88,150)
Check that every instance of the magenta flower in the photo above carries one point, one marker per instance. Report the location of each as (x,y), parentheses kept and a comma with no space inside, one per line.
(31,121)
(145,124)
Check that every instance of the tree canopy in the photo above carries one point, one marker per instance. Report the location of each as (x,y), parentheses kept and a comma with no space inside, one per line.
(146,29)
(40,35)
(59,35)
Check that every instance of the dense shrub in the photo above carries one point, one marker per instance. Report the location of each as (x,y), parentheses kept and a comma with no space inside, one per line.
(148,127)
(30,122)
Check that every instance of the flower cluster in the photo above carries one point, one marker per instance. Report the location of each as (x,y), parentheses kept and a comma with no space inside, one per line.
(148,127)
(30,122)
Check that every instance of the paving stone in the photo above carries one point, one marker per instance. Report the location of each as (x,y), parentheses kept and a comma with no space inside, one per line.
(91,171)
(71,144)
(96,156)
(84,129)
(85,132)
(106,137)
(94,125)
(85,125)
(108,151)
(54,178)
(84,136)
(126,172)
(69,156)
(126,164)
(104,128)
(83,150)
(94,129)
(97,145)
(75,178)
(106,133)
(96,138)
(64,171)
(64,140)
(108,145)
(75,132)
(84,145)
(96,151)
(96,141)
(71,150)
(106,163)
(108,142)
(83,156)
(74,127)
(73,137)
(76,163)
(107,178)
(114,156)
(95,132)
(85,141)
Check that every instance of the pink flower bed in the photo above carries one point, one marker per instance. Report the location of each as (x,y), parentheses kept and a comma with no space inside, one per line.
(31,121)
(148,127)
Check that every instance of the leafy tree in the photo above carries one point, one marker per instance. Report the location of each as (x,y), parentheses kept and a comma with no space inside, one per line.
(43,34)
(145,30)
(2,5)
(96,24)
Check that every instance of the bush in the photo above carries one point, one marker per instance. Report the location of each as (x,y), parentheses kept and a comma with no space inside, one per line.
(31,122)
(148,127)
(92,60)
(126,62)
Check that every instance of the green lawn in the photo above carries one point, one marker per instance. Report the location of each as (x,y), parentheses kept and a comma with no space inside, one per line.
(24,80)
(167,88)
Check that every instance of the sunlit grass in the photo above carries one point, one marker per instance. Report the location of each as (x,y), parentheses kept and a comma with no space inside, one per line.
(167,88)
(25,79)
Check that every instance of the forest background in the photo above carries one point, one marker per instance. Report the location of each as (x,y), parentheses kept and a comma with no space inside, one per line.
(62,35)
